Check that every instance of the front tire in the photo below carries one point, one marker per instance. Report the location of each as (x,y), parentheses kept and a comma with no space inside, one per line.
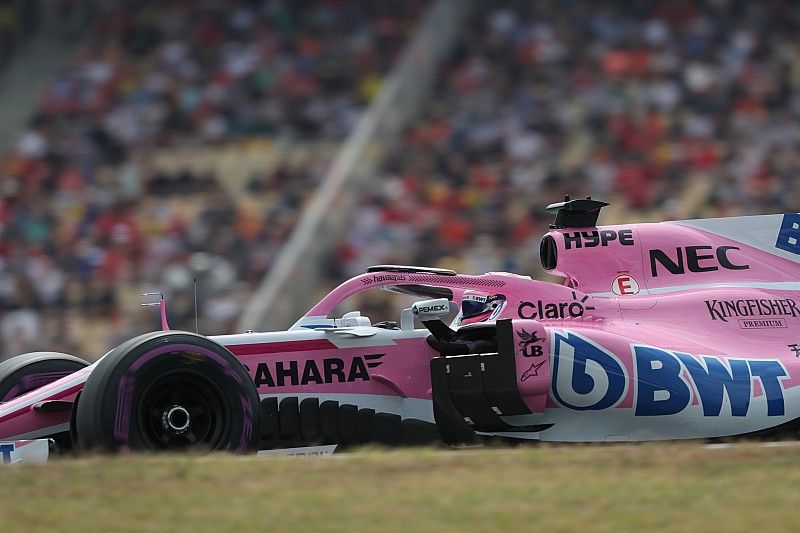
(169,391)
(24,373)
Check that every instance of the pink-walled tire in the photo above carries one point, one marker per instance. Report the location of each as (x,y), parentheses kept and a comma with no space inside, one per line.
(169,391)
(26,372)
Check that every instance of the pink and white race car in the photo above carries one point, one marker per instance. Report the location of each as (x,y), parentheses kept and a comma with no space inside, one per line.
(673,330)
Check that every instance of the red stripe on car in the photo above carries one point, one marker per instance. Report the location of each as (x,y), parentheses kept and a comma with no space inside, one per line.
(281,347)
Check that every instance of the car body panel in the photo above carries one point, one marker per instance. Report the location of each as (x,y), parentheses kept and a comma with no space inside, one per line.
(670,330)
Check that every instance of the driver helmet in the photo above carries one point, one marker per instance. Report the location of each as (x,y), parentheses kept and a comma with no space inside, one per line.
(480,306)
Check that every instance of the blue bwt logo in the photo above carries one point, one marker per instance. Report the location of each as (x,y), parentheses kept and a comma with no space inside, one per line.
(6,449)
(789,234)
(587,377)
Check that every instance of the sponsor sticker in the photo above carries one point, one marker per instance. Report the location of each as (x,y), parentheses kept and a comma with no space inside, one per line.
(591,239)
(789,234)
(764,313)
(528,344)
(24,451)
(540,310)
(694,259)
(625,285)
(319,372)
(586,376)
(749,323)
(6,449)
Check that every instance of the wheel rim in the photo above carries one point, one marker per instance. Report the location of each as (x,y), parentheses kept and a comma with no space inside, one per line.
(182,409)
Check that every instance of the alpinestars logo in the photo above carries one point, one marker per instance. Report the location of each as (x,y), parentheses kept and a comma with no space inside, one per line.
(532,372)
(328,370)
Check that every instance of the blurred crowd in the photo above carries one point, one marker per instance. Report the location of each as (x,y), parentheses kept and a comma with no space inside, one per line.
(86,222)
(19,19)
(629,101)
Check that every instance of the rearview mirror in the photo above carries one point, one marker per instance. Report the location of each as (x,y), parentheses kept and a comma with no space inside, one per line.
(431,309)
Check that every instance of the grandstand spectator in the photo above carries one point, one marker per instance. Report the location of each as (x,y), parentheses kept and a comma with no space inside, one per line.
(151,75)
(633,101)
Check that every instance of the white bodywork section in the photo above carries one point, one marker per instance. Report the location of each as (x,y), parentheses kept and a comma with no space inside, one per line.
(24,452)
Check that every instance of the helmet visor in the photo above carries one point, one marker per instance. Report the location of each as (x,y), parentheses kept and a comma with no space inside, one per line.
(470,308)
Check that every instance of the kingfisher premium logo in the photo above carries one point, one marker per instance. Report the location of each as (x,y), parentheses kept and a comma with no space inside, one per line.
(754,314)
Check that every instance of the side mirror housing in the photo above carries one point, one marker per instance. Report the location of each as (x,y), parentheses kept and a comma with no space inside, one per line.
(431,309)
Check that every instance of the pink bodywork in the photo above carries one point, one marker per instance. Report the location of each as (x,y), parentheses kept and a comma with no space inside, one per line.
(616,296)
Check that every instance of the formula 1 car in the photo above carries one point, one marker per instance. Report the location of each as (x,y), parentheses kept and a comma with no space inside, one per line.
(672,330)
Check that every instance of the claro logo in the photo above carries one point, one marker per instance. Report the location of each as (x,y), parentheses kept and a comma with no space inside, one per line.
(694,259)
(328,370)
(554,310)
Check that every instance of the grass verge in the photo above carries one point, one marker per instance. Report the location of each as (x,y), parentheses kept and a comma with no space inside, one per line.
(672,487)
